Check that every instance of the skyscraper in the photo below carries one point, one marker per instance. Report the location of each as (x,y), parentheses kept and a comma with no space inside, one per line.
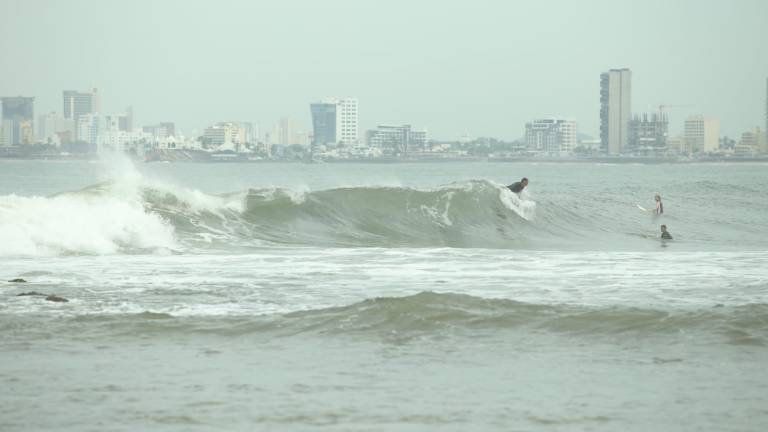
(77,104)
(17,120)
(615,110)
(335,121)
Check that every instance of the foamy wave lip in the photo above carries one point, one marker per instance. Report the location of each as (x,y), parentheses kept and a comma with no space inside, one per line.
(79,224)
(524,208)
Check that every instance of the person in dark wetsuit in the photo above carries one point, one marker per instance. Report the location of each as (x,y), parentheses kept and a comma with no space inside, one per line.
(518,187)
(665,235)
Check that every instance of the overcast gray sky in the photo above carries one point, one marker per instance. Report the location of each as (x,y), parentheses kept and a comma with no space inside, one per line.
(484,67)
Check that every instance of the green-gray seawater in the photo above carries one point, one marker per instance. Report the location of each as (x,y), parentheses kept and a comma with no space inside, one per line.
(383,297)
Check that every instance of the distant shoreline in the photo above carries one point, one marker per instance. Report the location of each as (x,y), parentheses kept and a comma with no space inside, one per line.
(406,160)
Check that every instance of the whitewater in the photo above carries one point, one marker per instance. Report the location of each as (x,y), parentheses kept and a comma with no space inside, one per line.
(382,297)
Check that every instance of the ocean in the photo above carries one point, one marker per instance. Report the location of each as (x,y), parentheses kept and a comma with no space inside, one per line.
(382,297)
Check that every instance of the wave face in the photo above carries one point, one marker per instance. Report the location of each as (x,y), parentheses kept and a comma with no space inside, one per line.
(433,314)
(112,218)
(473,214)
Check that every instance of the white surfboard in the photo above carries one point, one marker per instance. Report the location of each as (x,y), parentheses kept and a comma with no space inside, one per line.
(642,208)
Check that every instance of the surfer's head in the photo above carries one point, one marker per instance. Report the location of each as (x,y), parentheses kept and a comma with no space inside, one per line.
(657,197)
(524,181)
(663,228)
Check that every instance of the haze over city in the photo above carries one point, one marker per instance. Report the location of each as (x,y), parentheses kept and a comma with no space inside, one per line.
(482,68)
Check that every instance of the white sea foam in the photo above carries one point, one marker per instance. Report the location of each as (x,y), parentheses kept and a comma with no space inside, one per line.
(79,224)
(524,207)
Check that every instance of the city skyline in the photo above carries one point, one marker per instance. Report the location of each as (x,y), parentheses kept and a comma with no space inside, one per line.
(481,70)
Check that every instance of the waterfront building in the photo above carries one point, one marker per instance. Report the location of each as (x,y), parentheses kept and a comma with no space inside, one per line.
(225,133)
(551,135)
(648,134)
(52,127)
(702,134)
(161,130)
(676,145)
(751,143)
(335,121)
(615,110)
(400,140)
(117,140)
(17,120)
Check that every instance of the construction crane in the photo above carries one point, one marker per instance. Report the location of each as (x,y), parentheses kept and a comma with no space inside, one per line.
(662,107)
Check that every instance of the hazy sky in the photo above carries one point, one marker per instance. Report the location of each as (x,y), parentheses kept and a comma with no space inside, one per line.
(480,67)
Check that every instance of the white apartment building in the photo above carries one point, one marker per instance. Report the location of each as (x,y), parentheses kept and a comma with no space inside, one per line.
(702,134)
(89,127)
(615,110)
(552,135)
(229,133)
(335,121)
(120,141)
(397,139)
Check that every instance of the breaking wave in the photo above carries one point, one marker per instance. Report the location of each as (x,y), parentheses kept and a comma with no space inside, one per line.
(113,217)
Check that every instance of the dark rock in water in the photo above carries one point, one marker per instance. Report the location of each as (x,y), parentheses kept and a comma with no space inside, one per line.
(49,297)
(17,280)
(32,293)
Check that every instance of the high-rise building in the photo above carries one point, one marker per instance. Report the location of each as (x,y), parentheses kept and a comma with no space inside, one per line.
(552,135)
(89,127)
(702,134)
(335,121)
(128,120)
(17,120)
(77,104)
(615,110)
(648,134)
(397,139)
(286,132)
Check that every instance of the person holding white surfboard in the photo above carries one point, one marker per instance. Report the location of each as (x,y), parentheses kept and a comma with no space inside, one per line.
(659,210)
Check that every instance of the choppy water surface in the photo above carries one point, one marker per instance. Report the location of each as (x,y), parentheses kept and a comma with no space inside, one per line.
(383,297)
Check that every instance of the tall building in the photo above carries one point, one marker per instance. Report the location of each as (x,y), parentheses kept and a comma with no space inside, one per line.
(89,127)
(615,110)
(286,132)
(17,120)
(702,134)
(77,104)
(648,134)
(552,135)
(397,139)
(335,121)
